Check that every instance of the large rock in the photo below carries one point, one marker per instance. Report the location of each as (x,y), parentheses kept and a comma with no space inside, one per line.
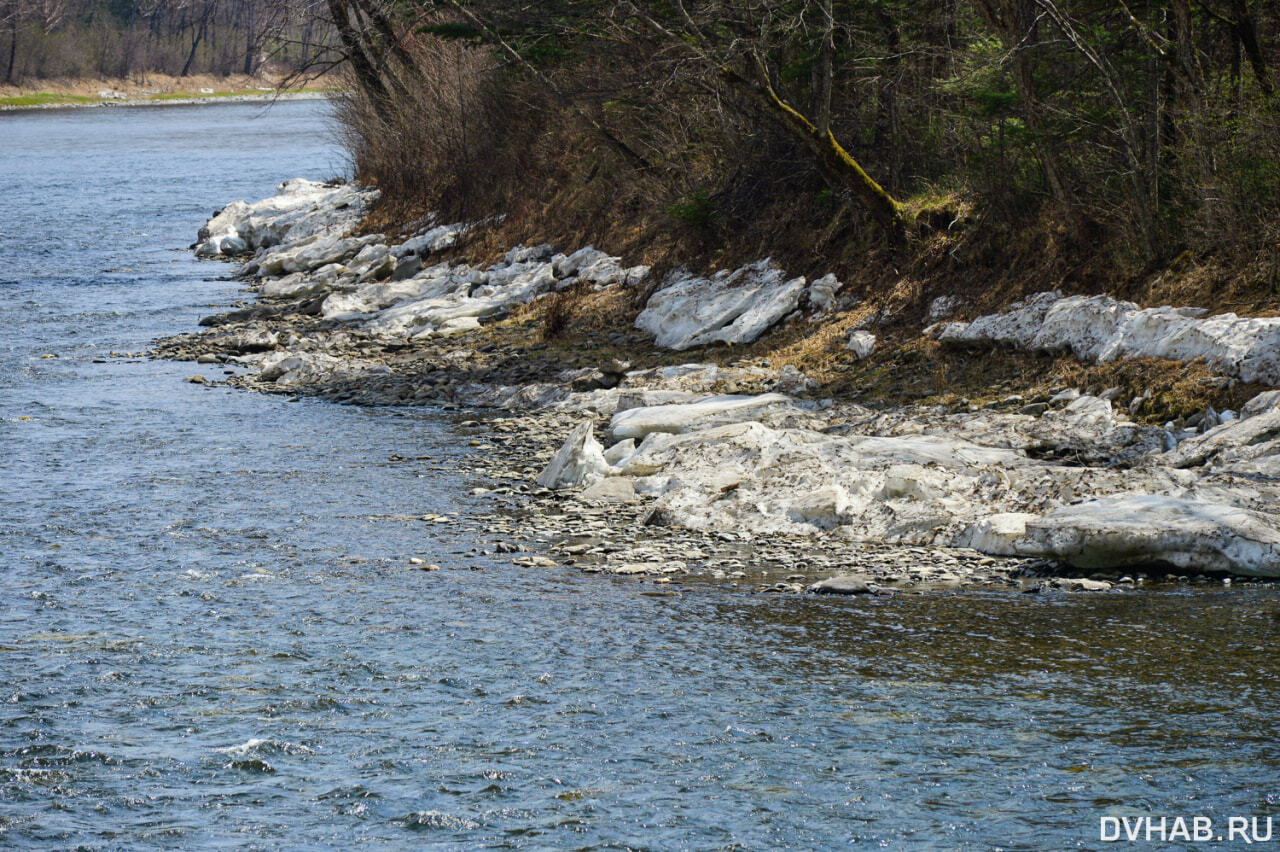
(729,307)
(1193,535)
(1099,328)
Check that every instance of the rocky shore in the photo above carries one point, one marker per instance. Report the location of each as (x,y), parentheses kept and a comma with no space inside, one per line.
(670,469)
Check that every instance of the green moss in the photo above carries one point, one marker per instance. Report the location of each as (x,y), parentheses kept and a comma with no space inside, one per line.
(43,98)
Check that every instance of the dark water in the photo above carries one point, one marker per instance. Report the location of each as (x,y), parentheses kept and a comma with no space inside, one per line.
(208,637)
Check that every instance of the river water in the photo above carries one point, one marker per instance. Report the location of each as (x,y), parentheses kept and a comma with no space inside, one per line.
(209,637)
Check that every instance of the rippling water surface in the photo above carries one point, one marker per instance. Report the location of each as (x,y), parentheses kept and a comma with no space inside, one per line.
(208,637)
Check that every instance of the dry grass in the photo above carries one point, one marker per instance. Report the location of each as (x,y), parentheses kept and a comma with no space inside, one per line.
(558,311)
(150,87)
(903,370)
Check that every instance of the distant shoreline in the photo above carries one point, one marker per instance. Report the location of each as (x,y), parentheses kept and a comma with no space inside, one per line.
(192,100)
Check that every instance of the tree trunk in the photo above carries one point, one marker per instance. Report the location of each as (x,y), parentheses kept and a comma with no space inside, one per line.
(822,94)
(1014,23)
(1247,32)
(354,46)
(250,41)
(195,45)
(837,166)
(13,48)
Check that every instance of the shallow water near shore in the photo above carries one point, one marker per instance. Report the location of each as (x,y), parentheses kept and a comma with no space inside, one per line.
(210,636)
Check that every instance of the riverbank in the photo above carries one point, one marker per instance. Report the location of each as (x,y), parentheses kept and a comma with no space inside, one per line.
(155,90)
(747,460)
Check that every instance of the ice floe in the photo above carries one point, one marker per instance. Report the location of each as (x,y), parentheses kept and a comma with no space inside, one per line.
(1003,484)
(1100,328)
(730,307)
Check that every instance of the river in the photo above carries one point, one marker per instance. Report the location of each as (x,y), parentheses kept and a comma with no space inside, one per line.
(210,636)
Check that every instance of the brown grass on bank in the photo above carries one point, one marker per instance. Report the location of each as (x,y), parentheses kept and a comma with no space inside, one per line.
(901,372)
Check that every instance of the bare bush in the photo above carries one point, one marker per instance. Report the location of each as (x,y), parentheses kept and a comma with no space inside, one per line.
(456,140)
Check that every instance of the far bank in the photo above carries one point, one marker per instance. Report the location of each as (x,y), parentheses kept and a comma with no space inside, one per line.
(157,90)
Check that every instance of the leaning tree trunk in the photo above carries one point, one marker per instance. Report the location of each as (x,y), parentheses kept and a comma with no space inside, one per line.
(1247,33)
(354,47)
(836,164)
(191,57)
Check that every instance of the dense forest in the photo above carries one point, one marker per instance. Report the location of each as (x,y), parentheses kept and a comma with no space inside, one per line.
(1072,141)
(121,38)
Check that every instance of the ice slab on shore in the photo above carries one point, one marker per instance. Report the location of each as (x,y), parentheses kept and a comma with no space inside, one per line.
(580,461)
(921,481)
(730,307)
(287,368)
(1188,534)
(1099,328)
(636,423)
(300,209)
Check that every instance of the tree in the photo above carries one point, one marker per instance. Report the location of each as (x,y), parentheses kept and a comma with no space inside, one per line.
(17,15)
(739,55)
